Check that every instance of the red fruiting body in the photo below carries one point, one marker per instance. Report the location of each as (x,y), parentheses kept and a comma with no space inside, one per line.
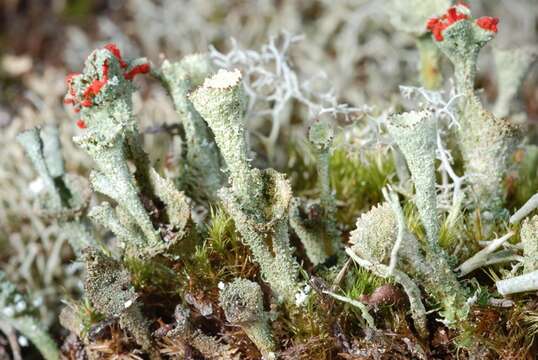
(81,124)
(437,25)
(117,54)
(488,23)
(93,89)
(86,103)
(96,84)
(140,69)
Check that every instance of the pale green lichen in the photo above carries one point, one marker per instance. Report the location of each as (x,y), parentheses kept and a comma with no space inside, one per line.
(382,229)
(319,234)
(369,252)
(529,240)
(411,16)
(203,157)
(416,134)
(108,287)
(486,142)
(112,139)
(257,200)
(242,302)
(208,346)
(222,103)
(512,66)
(17,311)
(66,196)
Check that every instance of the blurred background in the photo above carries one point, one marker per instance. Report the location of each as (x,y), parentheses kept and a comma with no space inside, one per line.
(347,48)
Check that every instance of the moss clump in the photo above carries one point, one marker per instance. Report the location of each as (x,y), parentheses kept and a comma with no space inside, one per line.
(358,182)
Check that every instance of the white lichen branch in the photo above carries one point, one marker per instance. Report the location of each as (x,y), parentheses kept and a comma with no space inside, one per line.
(363,308)
(486,256)
(525,210)
(392,198)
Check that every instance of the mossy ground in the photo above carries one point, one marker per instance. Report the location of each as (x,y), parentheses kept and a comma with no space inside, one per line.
(324,328)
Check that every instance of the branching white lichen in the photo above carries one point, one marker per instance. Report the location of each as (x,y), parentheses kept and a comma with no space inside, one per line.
(487,256)
(525,210)
(529,261)
(271,84)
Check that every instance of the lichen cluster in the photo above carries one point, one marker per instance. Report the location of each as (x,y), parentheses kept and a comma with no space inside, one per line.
(231,258)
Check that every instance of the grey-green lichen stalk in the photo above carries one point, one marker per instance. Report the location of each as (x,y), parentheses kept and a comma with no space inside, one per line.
(65,196)
(108,287)
(242,302)
(203,157)
(257,200)
(319,234)
(529,240)
(102,94)
(486,142)
(512,66)
(410,16)
(321,135)
(382,237)
(18,311)
(415,134)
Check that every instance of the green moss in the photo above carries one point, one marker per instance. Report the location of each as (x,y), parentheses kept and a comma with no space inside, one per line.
(88,315)
(413,220)
(221,232)
(307,321)
(362,282)
(358,182)
(151,276)
(78,9)
(221,256)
